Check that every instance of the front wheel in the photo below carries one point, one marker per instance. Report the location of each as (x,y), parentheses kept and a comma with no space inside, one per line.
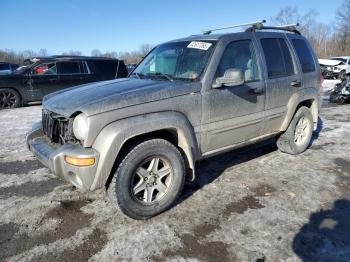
(148,180)
(297,137)
(9,98)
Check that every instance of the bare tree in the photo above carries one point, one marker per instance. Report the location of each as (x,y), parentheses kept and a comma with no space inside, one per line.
(291,15)
(43,52)
(72,53)
(145,49)
(343,17)
(343,26)
(95,52)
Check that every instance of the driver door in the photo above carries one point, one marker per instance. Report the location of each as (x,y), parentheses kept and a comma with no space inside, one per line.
(234,114)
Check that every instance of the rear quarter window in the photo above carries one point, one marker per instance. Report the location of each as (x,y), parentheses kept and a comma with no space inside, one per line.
(105,69)
(304,55)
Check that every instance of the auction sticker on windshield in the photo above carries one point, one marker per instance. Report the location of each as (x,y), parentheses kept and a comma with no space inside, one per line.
(199,45)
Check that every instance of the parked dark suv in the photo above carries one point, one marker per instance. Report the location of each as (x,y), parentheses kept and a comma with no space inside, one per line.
(42,76)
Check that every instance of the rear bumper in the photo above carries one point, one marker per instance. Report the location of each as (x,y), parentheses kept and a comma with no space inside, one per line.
(52,156)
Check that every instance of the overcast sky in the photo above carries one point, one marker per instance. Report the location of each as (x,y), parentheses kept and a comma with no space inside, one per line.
(85,25)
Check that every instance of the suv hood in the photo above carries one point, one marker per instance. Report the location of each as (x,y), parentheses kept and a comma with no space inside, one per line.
(104,96)
(329,62)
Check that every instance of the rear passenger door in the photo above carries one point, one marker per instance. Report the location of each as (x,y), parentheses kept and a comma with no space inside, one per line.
(282,76)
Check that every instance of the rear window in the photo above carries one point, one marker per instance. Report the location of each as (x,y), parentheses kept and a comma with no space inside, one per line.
(278,58)
(305,57)
(106,68)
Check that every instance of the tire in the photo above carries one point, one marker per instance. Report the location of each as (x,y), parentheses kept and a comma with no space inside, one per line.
(9,98)
(141,189)
(297,137)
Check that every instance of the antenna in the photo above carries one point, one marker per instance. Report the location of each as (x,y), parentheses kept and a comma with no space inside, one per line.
(256,24)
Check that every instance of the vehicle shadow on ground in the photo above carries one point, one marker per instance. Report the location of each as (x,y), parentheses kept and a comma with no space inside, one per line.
(326,237)
(317,132)
(210,169)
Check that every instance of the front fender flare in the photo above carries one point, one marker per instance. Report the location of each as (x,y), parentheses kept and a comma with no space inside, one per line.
(112,138)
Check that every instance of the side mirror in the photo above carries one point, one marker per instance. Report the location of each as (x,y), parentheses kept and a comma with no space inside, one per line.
(232,77)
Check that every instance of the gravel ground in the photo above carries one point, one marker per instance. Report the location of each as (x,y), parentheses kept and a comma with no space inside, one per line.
(249,204)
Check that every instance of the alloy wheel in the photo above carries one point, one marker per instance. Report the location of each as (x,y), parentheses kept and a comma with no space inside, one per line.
(8,99)
(152,180)
(302,131)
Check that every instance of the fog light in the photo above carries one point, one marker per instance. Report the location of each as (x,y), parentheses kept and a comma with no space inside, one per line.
(75,161)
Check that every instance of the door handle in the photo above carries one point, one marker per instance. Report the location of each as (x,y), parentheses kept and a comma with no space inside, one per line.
(295,83)
(256,91)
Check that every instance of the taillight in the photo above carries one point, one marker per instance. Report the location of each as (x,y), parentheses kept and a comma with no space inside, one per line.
(320,88)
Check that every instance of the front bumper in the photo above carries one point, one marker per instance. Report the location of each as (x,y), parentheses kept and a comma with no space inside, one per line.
(52,156)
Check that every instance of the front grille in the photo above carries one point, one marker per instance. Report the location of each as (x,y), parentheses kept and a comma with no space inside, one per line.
(54,126)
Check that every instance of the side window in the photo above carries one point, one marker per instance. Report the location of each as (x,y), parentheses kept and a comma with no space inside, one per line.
(68,68)
(241,55)
(278,58)
(305,57)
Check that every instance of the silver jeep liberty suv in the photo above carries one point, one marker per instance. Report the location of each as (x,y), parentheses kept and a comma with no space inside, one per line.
(189,99)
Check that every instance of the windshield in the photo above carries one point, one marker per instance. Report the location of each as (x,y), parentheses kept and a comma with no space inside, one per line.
(20,70)
(184,60)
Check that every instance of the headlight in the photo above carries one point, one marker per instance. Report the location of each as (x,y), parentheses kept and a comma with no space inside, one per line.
(80,127)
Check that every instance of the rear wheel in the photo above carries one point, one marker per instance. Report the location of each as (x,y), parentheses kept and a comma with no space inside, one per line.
(9,98)
(148,180)
(297,137)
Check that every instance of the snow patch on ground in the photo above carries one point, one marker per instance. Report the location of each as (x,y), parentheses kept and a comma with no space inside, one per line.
(246,203)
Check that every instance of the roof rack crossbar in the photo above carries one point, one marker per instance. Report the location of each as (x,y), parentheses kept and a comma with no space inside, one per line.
(253,24)
(290,28)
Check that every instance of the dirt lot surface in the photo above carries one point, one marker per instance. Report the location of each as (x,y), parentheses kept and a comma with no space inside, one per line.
(252,204)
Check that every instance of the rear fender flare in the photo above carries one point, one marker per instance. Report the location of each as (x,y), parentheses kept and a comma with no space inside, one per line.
(306,94)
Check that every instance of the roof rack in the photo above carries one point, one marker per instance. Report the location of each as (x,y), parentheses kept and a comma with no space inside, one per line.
(290,28)
(256,24)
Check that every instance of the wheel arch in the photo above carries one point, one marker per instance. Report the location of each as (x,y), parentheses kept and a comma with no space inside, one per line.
(306,97)
(19,92)
(116,138)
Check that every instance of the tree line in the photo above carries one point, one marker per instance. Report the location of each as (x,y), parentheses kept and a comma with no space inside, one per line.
(129,57)
(327,39)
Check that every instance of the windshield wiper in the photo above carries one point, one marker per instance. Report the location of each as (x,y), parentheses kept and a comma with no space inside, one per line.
(163,75)
(138,75)
(185,79)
